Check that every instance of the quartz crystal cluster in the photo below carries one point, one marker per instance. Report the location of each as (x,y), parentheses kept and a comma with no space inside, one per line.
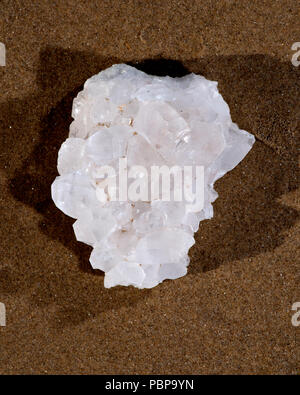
(123,113)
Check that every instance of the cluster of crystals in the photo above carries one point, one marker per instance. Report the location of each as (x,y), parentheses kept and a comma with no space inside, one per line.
(125,113)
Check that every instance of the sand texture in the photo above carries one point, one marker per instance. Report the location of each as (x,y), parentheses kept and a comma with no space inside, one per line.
(232,312)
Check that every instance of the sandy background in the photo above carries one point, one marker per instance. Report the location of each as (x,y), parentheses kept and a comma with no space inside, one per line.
(232,312)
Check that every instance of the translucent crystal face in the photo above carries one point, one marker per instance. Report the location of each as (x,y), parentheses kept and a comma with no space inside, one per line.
(147,121)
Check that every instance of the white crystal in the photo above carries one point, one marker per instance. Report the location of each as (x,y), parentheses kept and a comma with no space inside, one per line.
(149,120)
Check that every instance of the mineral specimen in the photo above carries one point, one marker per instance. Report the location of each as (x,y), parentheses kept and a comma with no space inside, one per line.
(127,126)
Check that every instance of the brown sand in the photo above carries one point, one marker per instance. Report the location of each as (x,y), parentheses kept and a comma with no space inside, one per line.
(232,312)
